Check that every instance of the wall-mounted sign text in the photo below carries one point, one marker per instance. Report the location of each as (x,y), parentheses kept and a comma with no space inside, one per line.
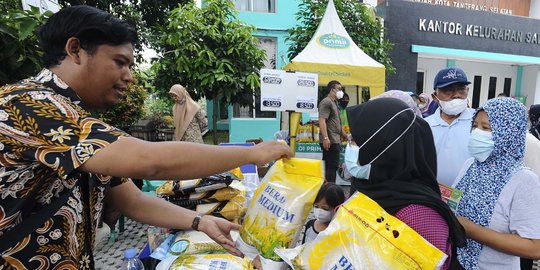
(480,31)
(467,6)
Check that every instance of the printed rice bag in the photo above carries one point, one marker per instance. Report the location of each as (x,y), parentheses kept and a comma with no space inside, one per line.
(364,236)
(194,242)
(205,262)
(194,199)
(214,182)
(231,210)
(279,209)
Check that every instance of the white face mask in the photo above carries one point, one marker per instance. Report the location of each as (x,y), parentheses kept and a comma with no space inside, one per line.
(454,106)
(339,94)
(323,216)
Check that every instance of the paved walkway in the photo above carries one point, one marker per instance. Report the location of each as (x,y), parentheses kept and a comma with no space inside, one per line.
(109,254)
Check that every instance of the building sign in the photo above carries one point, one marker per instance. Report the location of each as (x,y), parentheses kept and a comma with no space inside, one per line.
(480,31)
(470,6)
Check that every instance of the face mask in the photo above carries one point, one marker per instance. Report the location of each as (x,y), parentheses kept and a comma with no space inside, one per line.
(421,106)
(351,163)
(339,94)
(343,104)
(481,144)
(323,216)
(351,157)
(454,106)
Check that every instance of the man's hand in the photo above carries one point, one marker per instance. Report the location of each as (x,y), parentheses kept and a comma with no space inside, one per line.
(220,231)
(267,151)
(326,144)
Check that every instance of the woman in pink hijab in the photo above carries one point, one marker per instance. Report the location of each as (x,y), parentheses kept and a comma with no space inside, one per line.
(189,118)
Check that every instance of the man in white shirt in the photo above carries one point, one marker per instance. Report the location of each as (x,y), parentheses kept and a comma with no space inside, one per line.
(451,123)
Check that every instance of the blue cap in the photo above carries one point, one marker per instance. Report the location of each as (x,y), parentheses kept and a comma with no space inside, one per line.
(449,76)
(130,253)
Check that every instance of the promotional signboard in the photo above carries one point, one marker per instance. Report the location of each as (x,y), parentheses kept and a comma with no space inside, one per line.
(288,91)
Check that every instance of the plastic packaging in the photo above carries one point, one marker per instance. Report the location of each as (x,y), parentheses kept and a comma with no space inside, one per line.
(364,236)
(205,262)
(279,209)
(131,262)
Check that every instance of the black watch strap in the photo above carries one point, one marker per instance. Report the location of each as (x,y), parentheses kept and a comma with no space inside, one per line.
(196,221)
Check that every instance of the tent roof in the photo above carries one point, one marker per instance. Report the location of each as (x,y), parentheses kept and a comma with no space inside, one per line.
(333,54)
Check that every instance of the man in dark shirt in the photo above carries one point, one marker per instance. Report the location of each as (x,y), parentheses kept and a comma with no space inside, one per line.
(330,129)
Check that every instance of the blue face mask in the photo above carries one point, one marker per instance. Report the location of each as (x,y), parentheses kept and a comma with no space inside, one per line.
(351,163)
(481,144)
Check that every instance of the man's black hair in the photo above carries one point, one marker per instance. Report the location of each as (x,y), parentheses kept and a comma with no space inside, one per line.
(92,26)
(331,85)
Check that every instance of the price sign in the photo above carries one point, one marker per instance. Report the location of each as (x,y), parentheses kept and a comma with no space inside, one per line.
(288,91)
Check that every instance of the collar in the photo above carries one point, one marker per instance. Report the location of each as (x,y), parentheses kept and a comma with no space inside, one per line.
(466,115)
(51,80)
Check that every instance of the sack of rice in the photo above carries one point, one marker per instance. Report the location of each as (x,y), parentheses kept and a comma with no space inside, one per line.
(195,242)
(205,262)
(279,209)
(231,210)
(194,199)
(214,182)
(364,236)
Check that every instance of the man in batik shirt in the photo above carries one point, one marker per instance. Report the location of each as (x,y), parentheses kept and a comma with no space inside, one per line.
(57,160)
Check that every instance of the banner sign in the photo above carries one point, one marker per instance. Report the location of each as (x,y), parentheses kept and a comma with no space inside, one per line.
(288,91)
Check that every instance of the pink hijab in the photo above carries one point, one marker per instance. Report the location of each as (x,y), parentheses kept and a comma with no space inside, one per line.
(403,97)
(184,110)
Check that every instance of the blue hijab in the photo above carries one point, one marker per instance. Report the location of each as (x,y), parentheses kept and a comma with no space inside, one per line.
(484,181)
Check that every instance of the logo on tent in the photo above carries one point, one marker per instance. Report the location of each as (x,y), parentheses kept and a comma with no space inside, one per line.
(333,41)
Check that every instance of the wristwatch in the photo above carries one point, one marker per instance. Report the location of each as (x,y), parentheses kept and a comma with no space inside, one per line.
(196,220)
(326,138)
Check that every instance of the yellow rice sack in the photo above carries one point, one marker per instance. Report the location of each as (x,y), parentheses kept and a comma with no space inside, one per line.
(205,262)
(364,236)
(231,210)
(209,183)
(194,242)
(279,208)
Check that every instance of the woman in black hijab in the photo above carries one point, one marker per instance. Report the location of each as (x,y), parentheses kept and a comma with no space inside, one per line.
(399,148)
(534,116)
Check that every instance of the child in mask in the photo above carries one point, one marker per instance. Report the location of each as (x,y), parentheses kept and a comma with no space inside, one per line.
(330,196)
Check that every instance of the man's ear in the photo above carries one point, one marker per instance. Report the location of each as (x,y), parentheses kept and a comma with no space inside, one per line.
(73,49)
(434,96)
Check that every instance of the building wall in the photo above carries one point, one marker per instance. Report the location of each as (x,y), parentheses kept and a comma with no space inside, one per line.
(402,23)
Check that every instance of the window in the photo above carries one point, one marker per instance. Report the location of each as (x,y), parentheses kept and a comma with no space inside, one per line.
(268,44)
(492,87)
(267,6)
(477,84)
(419,82)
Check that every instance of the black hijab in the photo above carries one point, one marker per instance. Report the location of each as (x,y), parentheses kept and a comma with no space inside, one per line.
(534,116)
(405,173)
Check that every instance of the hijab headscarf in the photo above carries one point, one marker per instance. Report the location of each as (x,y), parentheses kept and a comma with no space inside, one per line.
(534,115)
(484,181)
(405,173)
(184,110)
(428,100)
(403,96)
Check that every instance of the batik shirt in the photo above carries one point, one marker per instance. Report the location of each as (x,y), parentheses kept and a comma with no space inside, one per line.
(45,135)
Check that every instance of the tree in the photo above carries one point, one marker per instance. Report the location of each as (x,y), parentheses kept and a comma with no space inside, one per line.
(211,53)
(20,54)
(143,15)
(358,19)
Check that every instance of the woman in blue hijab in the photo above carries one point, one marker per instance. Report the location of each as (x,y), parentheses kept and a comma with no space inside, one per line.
(501,198)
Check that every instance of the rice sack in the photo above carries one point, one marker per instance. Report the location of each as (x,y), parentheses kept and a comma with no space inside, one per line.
(205,262)
(214,182)
(194,242)
(364,236)
(194,199)
(279,208)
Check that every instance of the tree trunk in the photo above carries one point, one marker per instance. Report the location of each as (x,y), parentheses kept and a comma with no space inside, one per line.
(214,117)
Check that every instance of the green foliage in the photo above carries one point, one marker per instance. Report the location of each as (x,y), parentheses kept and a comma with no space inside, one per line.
(210,52)
(20,54)
(128,110)
(144,15)
(8,5)
(158,106)
(358,19)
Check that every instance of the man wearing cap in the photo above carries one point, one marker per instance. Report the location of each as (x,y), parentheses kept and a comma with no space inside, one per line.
(451,123)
